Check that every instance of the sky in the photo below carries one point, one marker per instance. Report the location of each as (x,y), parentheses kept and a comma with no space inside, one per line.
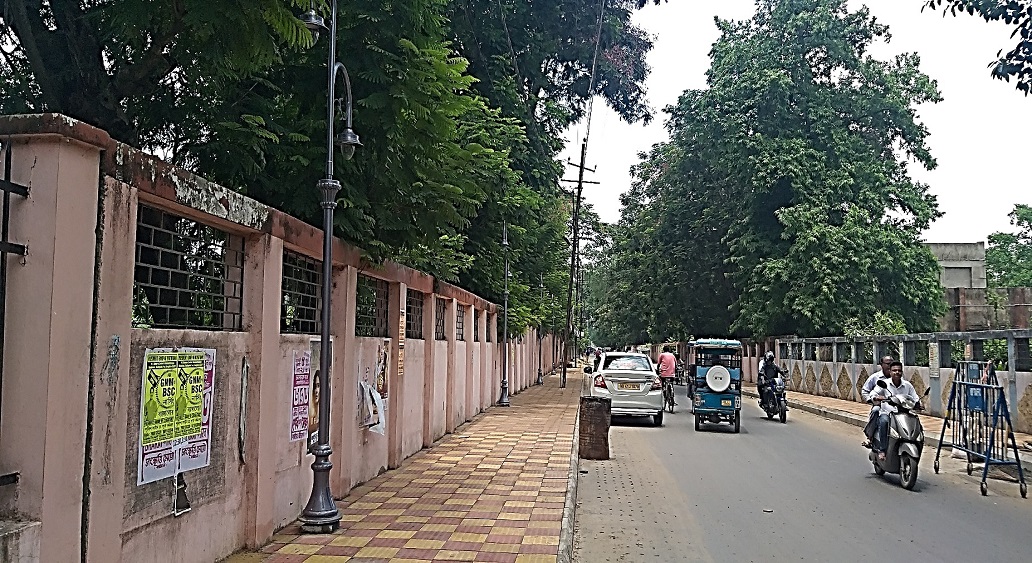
(973,132)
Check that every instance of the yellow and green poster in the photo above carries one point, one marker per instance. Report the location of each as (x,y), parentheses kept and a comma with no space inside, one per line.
(189,395)
(176,400)
(160,384)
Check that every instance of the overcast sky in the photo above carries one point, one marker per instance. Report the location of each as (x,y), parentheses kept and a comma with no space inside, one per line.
(976,132)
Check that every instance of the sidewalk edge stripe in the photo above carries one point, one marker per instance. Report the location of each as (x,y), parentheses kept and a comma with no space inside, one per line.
(565,554)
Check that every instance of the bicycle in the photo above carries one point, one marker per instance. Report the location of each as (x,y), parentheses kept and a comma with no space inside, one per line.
(668,393)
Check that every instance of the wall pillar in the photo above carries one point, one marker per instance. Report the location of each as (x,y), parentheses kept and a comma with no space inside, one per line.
(429,392)
(344,412)
(263,269)
(396,373)
(48,352)
(449,336)
(111,372)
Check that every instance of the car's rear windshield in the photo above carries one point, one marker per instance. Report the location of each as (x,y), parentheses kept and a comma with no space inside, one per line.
(627,363)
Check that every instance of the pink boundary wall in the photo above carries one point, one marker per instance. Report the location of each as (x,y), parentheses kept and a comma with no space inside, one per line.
(73,361)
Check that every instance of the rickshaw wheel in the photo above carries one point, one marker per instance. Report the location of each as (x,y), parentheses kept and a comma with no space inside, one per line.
(738,421)
(698,424)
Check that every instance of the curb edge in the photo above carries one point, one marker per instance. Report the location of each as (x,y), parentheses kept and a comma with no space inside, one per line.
(565,554)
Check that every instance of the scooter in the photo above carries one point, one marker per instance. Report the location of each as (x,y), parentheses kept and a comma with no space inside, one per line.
(906,441)
(775,402)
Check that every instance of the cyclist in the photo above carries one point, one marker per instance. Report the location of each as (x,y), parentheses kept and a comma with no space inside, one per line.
(667,368)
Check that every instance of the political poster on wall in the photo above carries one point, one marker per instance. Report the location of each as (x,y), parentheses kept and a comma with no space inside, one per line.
(300,395)
(175,411)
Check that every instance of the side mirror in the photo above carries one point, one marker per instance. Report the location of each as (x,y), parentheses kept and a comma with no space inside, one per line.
(587,369)
(927,391)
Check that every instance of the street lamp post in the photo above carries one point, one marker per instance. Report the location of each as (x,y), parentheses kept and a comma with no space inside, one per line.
(540,337)
(320,515)
(503,399)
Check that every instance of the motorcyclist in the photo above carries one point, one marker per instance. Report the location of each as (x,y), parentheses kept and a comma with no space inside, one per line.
(895,385)
(768,370)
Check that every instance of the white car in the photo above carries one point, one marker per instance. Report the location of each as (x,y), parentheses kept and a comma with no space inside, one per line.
(630,381)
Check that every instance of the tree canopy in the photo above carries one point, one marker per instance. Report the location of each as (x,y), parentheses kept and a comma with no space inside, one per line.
(1015,63)
(782,202)
(1008,260)
(460,106)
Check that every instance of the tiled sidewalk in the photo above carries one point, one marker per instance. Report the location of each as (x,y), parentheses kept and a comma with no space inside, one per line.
(494,490)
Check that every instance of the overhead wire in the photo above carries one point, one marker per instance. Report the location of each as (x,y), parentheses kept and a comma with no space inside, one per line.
(594,67)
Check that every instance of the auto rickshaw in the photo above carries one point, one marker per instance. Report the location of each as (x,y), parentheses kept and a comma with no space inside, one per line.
(716,365)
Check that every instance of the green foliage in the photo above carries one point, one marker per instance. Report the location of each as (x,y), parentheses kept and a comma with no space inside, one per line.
(1008,260)
(1015,63)
(460,107)
(782,202)
(883,323)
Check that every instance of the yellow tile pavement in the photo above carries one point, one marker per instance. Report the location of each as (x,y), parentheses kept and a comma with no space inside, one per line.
(457,499)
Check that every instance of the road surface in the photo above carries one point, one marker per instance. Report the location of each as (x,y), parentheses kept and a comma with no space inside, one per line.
(801,491)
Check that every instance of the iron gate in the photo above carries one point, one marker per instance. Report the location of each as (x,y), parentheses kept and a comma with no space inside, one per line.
(7,187)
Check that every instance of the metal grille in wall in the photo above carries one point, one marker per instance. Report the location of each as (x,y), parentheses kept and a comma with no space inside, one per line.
(371,307)
(302,294)
(460,322)
(476,324)
(188,274)
(440,309)
(7,187)
(414,315)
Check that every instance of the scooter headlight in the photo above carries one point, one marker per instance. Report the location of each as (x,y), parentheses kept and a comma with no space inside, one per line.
(893,433)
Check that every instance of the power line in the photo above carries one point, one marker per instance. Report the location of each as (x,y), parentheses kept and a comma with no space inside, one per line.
(594,67)
(575,224)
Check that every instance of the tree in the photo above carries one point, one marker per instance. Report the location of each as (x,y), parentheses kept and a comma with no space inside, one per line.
(1008,260)
(454,143)
(1015,63)
(123,52)
(782,202)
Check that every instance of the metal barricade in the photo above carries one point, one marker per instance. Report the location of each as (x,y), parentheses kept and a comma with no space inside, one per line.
(980,423)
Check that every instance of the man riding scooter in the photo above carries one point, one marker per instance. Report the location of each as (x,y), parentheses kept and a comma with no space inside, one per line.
(893,386)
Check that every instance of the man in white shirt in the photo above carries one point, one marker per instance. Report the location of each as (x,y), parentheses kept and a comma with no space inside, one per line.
(882,372)
(895,385)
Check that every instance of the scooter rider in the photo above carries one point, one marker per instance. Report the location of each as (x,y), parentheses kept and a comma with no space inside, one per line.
(768,369)
(895,385)
(868,388)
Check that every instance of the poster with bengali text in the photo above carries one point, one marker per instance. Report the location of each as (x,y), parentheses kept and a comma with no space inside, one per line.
(195,452)
(300,396)
(175,412)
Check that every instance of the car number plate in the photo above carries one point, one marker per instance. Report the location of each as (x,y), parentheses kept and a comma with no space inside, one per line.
(627,386)
(725,402)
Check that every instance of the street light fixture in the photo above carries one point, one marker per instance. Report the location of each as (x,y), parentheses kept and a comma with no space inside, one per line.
(541,286)
(320,515)
(503,399)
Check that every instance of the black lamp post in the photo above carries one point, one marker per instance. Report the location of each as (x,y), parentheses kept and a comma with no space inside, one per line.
(503,399)
(320,514)
(540,336)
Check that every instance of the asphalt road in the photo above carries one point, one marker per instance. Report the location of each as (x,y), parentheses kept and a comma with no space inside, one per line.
(801,491)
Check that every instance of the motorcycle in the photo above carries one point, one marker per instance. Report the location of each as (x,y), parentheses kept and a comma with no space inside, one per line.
(773,401)
(905,444)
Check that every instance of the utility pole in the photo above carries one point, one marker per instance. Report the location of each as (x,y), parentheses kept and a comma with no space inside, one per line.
(574,252)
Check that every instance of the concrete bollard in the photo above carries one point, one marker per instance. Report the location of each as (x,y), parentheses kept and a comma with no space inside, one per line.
(594,427)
